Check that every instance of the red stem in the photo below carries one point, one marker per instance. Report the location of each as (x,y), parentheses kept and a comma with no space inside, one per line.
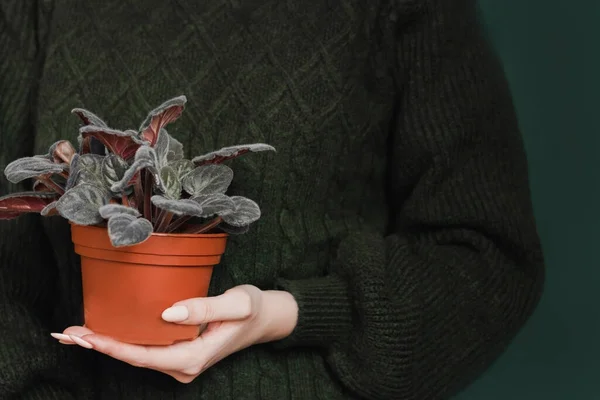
(178,223)
(147,195)
(53,185)
(138,192)
(125,199)
(164,221)
(204,227)
(157,214)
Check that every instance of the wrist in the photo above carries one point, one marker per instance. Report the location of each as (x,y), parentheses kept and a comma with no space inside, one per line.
(278,315)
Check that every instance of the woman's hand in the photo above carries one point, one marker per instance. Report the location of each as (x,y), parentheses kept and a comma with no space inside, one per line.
(239,318)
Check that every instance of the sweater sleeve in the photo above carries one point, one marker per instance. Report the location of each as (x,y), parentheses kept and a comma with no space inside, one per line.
(421,311)
(33,366)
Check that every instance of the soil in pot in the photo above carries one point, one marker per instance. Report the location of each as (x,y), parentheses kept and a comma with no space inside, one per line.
(126,289)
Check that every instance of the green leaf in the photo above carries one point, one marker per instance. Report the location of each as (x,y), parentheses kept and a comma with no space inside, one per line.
(113,169)
(227,153)
(175,150)
(158,118)
(110,210)
(81,204)
(178,207)
(145,157)
(208,179)
(162,148)
(30,167)
(73,173)
(246,212)
(182,167)
(89,170)
(124,144)
(215,204)
(89,118)
(128,230)
(170,183)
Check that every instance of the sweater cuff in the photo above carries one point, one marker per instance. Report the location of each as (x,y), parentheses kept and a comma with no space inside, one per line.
(324,311)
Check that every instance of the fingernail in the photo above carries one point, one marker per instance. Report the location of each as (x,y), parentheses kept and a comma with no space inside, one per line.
(61,336)
(176,314)
(81,342)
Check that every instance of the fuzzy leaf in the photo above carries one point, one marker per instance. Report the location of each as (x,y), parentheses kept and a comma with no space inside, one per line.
(127,230)
(175,150)
(113,168)
(62,152)
(148,155)
(89,118)
(13,205)
(108,211)
(215,204)
(145,157)
(182,167)
(246,212)
(208,179)
(81,204)
(123,144)
(49,210)
(227,153)
(178,207)
(84,144)
(167,148)
(73,173)
(162,148)
(88,169)
(30,167)
(170,183)
(158,118)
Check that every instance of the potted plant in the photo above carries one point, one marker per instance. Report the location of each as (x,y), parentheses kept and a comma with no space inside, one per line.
(148,224)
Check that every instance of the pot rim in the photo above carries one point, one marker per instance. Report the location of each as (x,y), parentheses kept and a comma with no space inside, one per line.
(160,234)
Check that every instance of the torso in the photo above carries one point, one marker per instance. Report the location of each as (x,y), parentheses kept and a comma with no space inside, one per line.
(301,77)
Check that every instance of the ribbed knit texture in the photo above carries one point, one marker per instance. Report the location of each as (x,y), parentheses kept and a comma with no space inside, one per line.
(396,209)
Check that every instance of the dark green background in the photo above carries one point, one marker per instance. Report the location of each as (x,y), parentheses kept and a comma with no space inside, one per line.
(551,53)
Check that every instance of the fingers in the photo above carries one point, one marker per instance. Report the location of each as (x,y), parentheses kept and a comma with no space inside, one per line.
(176,360)
(77,331)
(162,358)
(181,377)
(235,304)
(67,336)
(62,338)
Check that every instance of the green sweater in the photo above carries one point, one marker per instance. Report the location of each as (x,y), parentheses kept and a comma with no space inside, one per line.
(396,210)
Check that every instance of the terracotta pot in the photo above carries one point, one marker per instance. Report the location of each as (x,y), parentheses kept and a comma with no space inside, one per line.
(126,289)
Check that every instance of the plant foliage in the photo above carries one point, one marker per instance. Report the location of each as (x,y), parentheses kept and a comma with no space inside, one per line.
(135,182)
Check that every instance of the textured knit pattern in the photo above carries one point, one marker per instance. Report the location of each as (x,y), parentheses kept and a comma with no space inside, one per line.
(396,209)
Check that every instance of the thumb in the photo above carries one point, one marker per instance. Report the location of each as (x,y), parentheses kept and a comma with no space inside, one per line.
(234,304)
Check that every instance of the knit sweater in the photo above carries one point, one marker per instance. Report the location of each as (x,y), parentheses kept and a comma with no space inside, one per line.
(396,209)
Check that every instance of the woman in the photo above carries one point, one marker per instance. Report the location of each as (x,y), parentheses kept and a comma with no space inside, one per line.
(397,255)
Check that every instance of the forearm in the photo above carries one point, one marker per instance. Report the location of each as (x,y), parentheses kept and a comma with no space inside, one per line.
(431,303)
(279,313)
